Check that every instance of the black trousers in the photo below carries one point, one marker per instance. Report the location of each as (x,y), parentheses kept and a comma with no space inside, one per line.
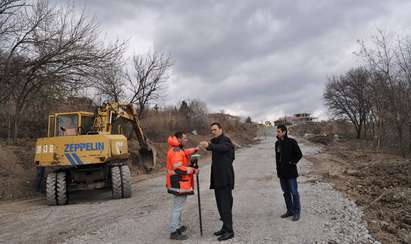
(224,199)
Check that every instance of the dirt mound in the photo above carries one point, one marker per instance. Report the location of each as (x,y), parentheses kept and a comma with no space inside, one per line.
(8,162)
(320,138)
(379,183)
(339,128)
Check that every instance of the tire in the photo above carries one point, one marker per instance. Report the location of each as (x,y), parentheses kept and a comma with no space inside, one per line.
(51,189)
(56,188)
(62,197)
(116,182)
(121,182)
(126,180)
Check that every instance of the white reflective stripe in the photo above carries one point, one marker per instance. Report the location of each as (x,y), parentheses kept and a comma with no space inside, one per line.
(177,164)
(180,190)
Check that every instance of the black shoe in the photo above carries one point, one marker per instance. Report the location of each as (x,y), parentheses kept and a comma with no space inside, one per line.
(296,217)
(219,233)
(287,214)
(182,229)
(176,235)
(226,236)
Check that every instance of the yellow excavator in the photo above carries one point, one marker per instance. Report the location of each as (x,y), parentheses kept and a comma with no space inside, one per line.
(86,150)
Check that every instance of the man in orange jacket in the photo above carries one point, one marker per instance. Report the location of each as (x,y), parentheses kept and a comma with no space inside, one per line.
(179,180)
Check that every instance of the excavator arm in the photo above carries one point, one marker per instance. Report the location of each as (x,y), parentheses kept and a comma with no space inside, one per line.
(107,113)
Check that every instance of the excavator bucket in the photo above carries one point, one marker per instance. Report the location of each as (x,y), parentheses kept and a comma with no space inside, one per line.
(148,157)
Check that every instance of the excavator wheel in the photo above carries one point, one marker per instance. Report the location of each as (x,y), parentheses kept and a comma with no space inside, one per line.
(56,188)
(121,181)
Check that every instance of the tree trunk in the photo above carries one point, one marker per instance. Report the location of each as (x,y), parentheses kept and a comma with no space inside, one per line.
(380,133)
(141,111)
(15,125)
(9,128)
(401,140)
(359,130)
(15,128)
(409,136)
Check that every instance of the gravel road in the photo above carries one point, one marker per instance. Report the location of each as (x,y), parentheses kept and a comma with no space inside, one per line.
(327,216)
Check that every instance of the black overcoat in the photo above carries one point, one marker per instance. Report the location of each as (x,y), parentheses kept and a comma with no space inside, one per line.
(287,155)
(222,171)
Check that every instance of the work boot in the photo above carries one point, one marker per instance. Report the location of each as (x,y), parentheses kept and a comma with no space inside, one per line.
(296,217)
(176,235)
(182,229)
(287,214)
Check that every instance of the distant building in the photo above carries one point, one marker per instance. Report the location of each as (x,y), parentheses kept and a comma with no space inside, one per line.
(222,116)
(295,119)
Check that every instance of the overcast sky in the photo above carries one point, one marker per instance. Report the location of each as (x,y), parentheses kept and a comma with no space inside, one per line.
(252,58)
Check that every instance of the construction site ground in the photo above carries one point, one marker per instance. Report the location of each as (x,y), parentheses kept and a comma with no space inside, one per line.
(379,183)
(328,216)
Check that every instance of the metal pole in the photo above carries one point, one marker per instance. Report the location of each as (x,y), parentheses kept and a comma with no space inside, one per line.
(199,205)
(194,164)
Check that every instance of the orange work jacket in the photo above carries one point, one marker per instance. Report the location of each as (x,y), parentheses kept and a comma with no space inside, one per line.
(178,182)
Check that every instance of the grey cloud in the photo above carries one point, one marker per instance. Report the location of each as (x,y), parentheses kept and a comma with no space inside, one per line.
(258,57)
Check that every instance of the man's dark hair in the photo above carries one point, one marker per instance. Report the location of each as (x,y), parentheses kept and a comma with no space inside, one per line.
(179,134)
(217,124)
(283,128)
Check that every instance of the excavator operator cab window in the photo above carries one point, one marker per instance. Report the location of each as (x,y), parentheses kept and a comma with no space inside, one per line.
(86,124)
(67,125)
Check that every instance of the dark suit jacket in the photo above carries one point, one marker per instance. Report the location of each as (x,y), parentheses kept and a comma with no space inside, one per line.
(222,171)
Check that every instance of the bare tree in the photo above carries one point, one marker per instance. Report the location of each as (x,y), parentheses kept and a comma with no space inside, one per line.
(148,74)
(110,83)
(51,48)
(199,115)
(20,26)
(403,56)
(346,96)
(388,64)
(8,10)
(195,115)
(377,108)
(385,96)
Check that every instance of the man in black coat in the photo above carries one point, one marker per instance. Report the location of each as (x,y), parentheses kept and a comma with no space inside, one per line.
(222,178)
(287,155)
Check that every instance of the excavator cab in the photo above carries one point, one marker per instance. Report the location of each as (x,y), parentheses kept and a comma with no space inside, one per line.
(71,124)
